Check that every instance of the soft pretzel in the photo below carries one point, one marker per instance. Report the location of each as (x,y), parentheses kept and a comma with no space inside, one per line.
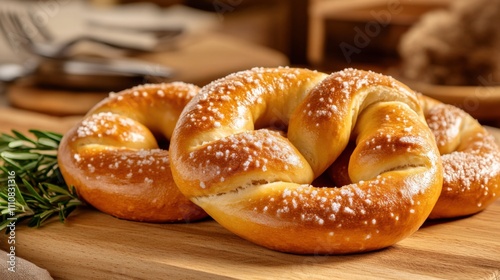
(471,160)
(113,159)
(248,147)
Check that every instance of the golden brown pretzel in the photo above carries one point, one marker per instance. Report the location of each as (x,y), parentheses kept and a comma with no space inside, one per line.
(113,159)
(255,181)
(471,160)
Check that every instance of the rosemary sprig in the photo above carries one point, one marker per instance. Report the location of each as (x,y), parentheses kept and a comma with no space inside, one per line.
(32,187)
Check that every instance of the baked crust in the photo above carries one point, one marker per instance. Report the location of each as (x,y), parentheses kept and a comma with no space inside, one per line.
(113,159)
(247,148)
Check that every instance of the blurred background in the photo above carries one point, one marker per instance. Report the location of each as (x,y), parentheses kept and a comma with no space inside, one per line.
(60,57)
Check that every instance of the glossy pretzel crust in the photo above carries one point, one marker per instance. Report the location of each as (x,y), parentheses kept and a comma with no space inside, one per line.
(248,147)
(114,161)
(471,160)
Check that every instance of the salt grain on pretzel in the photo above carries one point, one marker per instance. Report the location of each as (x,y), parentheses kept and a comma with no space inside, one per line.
(471,160)
(248,147)
(113,159)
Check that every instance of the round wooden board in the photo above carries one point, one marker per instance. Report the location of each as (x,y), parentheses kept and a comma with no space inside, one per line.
(481,102)
(52,101)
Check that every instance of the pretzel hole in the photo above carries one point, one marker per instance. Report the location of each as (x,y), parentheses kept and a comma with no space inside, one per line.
(162,140)
(325,181)
(274,122)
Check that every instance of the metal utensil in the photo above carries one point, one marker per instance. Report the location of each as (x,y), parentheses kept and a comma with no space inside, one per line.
(98,74)
(38,39)
(83,74)
(10,72)
(158,32)
(50,67)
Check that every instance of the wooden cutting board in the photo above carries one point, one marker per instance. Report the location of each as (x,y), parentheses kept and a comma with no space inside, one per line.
(92,245)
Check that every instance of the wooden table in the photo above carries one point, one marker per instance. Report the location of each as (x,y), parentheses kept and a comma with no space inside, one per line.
(92,245)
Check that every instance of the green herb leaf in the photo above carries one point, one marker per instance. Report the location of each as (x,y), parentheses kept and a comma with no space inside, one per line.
(19,156)
(31,187)
(48,142)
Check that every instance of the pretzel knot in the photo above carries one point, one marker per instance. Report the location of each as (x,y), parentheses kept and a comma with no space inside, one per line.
(248,148)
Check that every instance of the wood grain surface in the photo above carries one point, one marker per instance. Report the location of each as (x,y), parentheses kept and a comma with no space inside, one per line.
(93,245)
(23,121)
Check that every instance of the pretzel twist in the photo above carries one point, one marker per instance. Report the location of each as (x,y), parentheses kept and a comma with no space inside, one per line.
(230,158)
(471,160)
(114,161)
